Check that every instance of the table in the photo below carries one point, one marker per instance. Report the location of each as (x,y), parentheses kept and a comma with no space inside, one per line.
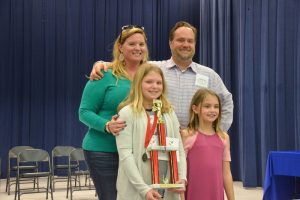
(281,171)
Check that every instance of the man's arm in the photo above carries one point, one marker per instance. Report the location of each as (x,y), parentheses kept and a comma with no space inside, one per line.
(96,73)
(219,87)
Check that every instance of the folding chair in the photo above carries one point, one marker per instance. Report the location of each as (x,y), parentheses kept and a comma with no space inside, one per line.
(77,156)
(60,164)
(42,158)
(12,166)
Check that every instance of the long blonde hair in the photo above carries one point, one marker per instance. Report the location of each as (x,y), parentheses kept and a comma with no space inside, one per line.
(135,97)
(197,100)
(117,65)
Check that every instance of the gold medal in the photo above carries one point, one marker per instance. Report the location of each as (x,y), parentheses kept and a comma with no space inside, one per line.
(144,157)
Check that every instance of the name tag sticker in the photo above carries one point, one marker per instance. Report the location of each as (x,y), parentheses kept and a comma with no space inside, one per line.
(201,80)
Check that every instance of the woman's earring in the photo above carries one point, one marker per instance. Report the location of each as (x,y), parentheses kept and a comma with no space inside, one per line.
(121,57)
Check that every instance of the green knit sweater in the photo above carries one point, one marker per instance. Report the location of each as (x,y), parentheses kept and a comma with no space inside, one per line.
(99,103)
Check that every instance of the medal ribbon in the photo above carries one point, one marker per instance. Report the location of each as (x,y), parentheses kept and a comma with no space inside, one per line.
(150,130)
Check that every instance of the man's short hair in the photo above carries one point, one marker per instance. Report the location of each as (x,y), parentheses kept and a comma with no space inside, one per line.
(182,24)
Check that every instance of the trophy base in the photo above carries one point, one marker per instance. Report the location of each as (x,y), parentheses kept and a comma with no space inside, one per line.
(166,186)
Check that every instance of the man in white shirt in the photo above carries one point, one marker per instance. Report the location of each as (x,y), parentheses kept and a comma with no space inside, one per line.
(184,77)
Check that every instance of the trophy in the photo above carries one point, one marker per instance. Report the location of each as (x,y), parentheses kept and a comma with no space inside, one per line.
(163,145)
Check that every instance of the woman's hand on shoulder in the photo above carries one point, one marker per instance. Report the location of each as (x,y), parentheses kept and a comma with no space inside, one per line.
(114,126)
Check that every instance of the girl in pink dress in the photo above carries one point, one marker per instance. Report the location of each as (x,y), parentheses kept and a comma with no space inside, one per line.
(207,149)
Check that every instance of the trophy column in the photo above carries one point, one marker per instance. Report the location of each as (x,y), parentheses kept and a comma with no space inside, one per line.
(163,146)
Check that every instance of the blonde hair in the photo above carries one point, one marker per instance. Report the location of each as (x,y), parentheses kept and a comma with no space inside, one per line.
(197,100)
(117,65)
(135,97)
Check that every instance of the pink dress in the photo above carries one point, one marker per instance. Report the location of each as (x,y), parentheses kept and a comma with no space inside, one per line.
(205,156)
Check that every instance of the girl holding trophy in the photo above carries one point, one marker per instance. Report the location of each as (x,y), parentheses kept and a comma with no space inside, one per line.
(152,161)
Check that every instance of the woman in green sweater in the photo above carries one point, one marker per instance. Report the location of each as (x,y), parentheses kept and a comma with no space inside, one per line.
(98,109)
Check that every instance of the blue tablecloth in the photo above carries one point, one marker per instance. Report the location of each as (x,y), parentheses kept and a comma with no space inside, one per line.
(281,170)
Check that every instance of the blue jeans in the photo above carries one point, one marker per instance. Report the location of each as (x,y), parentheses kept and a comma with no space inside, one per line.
(103,168)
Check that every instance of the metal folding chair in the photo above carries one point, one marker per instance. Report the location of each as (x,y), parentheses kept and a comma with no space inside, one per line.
(12,166)
(77,156)
(42,158)
(60,164)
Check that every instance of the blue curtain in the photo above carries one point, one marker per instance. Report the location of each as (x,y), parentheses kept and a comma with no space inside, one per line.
(266,88)
(47,46)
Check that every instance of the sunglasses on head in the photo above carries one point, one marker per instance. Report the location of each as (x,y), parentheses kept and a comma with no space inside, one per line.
(127,27)
(132,26)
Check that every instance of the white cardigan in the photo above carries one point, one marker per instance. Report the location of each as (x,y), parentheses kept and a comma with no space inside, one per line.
(134,175)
